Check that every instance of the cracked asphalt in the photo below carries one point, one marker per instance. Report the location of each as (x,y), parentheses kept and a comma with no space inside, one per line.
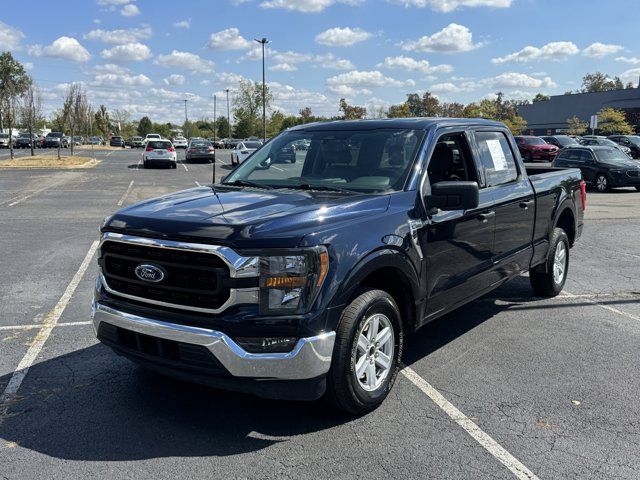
(553,381)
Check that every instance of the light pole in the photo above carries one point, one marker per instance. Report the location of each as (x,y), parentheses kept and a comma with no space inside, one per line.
(215,129)
(263,41)
(228,116)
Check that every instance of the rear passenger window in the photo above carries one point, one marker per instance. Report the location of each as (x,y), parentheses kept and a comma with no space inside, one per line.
(496,157)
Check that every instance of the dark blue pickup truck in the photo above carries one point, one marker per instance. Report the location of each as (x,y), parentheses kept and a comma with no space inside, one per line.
(299,279)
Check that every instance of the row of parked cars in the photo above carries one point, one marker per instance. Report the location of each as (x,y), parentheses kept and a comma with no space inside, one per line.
(605,162)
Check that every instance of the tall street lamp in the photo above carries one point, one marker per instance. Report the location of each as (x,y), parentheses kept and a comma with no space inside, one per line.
(263,41)
(228,116)
(215,129)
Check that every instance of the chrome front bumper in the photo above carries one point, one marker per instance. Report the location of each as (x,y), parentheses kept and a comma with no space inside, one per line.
(310,358)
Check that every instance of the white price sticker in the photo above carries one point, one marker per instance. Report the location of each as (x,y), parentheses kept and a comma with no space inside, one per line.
(497,155)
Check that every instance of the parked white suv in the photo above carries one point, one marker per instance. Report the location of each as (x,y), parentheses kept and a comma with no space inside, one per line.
(152,136)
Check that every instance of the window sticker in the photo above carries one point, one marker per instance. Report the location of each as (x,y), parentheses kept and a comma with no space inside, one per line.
(497,155)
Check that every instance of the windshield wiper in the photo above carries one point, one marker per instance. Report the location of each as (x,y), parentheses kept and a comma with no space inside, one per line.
(323,188)
(248,183)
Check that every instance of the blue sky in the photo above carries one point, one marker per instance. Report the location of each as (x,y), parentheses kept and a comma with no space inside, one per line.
(147,56)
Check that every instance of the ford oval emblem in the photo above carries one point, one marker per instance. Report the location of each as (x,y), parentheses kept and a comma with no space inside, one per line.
(150,273)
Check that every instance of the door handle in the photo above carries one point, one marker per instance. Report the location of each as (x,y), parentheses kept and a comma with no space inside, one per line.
(525,204)
(484,217)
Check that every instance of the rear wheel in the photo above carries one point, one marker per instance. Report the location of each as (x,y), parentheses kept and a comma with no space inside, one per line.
(602,183)
(366,354)
(548,280)
(638,188)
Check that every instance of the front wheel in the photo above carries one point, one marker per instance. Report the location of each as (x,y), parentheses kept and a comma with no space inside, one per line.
(366,354)
(548,280)
(638,188)
(602,183)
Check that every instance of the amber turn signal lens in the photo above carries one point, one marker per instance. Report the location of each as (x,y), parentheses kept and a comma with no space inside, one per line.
(324,268)
(285,282)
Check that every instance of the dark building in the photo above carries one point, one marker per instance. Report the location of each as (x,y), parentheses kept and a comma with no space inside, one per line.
(549,117)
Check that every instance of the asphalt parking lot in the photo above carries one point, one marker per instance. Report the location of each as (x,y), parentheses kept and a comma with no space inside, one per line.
(533,388)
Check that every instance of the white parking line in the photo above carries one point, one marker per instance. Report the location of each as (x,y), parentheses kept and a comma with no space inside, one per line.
(198,183)
(39,325)
(125,194)
(185,167)
(47,326)
(17,200)
(109,153)
(601,305)
(489,444)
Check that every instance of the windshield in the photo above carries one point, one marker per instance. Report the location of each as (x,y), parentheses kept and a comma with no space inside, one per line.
(354,160)
(252,144)
(565,141)
(159,145)
(534,141)
(610,154)
(54,134)
(634,139)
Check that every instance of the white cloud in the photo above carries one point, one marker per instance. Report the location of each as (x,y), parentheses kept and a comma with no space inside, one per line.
(329,61)
(347,91)
(109,3)
(631,76)
(130,10)
(551,51)
(601,50)
(629,60)
(341,37)
(412,65)
(130,52)
(120,36)
(372,78)
(190,61)
(174,79)
(186,24)
(305,6)
(449,87)
(452,38)
(120,77)
(228,39)
(450,5)
(291,57)
(109,68)
(67,48)
(227,78)
(519,80)
(283,67)
(10,37)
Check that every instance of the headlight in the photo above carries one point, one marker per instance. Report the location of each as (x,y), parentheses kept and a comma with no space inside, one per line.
(291,281)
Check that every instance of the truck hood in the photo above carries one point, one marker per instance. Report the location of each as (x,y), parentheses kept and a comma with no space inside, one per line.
(239,217)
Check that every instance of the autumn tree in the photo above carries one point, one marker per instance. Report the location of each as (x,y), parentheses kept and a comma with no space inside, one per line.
(451,109)
(31,111)
(75,111)
(398,111)
(541,97)
(351,112)
(576,126)
(103,122)
(612,121)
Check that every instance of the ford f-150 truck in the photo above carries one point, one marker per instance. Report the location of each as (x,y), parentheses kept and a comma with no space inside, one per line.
(299,279)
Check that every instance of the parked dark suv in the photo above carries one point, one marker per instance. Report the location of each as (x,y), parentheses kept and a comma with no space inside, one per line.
(116,142)
(632,142)
(561,141)
(601,167)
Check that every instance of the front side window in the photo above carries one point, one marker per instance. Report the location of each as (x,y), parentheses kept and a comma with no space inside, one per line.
(354,160)
(496,158)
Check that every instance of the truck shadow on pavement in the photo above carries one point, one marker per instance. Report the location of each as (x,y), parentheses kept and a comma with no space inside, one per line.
(93,405)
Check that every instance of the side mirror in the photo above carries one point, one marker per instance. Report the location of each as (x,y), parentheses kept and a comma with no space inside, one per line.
(454,196)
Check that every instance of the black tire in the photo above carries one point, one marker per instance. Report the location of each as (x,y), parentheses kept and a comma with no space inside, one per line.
(174,165)
(601,183)
(638,188)
(542,278)
(144,165)
(343,389)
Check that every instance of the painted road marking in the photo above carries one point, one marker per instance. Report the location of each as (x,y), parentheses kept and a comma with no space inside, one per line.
(17,200)
(47,326)
(39,325)
(489,444)
(185,167)
(109,153)
(587,299)
(198,183)
(125,194)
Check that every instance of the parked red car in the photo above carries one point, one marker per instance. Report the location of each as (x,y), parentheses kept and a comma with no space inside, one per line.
(534,148)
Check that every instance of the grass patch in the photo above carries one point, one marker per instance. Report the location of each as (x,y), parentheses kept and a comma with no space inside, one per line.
(49,161)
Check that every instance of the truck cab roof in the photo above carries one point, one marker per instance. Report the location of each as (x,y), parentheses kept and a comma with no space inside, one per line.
(421,123)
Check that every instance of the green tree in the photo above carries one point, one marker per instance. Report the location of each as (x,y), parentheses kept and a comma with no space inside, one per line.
(399,111)
(274,123)
(451,110)
(612,121)
(14,81)
(102,121)
(247,107)
(290,121)
(144,126)
(222,127)
(541,97)
(576,126)
(351,112)
(600,82)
